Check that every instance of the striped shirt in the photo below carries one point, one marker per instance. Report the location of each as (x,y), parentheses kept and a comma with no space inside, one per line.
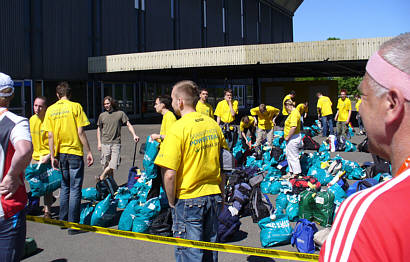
(373,224)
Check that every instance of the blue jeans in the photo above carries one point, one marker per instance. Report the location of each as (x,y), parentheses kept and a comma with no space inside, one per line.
(12,237)
(196,219)
(327,122)
(72,168)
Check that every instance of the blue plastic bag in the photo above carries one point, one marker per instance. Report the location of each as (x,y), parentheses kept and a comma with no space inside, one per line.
(90,193)
(292,208)
(275,187)
(143,217)
(275,232)
(104,212)
(123,196)
(43,179)
(128,215)
(151,152)
(302,236)
(86,213)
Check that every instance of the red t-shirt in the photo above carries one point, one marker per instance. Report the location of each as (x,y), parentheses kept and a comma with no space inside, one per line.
(373,224)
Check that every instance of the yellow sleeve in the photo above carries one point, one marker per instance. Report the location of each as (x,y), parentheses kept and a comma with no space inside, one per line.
(294,119)
(81,118)
(254,111)
(235,106)
(170,153)
(211,111)
(349,104)
(241,126)
(339,104)
(218,109)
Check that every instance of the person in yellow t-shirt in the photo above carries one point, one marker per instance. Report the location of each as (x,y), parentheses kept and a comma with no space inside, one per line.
(284,115)
(247,126)
(344,110)
(293,139)
(41,152)
(225,112)
(202,106)
(359,119)
(227,109)
(303,110)
(265,119)
(64,122)
(163,106)
(189,159)
(325,113)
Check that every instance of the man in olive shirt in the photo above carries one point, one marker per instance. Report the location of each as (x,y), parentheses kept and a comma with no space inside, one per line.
(109,128)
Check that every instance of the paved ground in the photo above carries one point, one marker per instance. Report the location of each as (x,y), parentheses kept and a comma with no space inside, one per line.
(55,245)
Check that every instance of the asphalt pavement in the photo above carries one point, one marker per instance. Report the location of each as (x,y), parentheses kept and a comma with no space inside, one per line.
(56,245)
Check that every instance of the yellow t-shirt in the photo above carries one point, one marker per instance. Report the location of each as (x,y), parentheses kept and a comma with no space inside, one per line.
(243,126)
(265,120)
(302,108)
(63,119)
(167,121)
(292,120)
(344,107)
(205,109)
(224,112)
(358,104)
(39,138)
(325,105)
(284,112)
(192,148)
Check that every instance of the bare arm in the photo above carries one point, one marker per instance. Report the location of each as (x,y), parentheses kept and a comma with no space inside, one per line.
(132,131)
(98,138)
(337,114)
(218,119)
(54,162)
(84,141)
(169,177)
(19,162)
(348,118)
(233,113)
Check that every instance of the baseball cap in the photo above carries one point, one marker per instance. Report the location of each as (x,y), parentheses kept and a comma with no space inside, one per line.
(6,82)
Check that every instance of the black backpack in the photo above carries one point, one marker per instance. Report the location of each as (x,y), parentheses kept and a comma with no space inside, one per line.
(341,143)
(259,204)
(162,224)
(237,176)
(106,187)
(363,146)
(310,144)
(228,225)
(276,153)
(380,165)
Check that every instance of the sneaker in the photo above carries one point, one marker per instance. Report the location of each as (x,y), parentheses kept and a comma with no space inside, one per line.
(287,176)
(47,215)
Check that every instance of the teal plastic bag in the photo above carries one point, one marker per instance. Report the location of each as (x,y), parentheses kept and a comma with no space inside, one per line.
(151,152)
(90,193)
(265,187)
(140,191)
(86,213)
(292,208)
(339,193)
(123,196)
(350,147)
(128,215)
(275,187)
(104,213)
(281,203)
(142,219)
(43,179)
(275,232)
(321,175)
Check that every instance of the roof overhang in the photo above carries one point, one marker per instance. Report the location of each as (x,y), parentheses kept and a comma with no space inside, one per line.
(318,58)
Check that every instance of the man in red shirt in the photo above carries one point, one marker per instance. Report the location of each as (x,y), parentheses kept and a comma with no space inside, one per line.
(15,155)
(373,224)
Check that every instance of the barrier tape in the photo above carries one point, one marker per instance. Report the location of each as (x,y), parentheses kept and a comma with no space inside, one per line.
(180,242)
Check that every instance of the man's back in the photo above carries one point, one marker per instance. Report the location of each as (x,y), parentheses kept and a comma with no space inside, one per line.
(325,105)
(192,148)
(63,119)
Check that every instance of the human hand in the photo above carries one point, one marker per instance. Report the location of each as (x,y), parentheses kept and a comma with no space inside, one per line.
(136,138)
(9,185)
(155,136)
(90,159)
(99,147)
(54,163)
(346,122)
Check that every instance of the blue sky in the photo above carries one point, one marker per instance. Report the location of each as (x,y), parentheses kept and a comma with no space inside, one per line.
(317,20)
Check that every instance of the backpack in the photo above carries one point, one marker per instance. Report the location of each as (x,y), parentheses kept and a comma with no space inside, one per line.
(310,144)
(227,160)
(162,224)
(259,204)
(301,183)
(276,153)
(241,195)
(228,225)
(363,146)
(133,175)
(341,143)
(302,236)
(361,185)
(379,166)
(106,187)
(237,176)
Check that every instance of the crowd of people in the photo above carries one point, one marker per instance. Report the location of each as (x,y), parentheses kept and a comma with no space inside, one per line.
(189,157)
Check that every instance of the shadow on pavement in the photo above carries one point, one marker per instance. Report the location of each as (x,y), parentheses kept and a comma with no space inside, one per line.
(259,259)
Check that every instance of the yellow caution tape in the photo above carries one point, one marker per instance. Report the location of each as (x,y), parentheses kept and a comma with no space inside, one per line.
(180,242)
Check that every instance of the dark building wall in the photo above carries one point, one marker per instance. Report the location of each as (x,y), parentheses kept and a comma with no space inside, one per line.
(189,24)
(214,33)
(251,21)
(65,42)
(118,26)
(159,26)
(233,22)
(15,38)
